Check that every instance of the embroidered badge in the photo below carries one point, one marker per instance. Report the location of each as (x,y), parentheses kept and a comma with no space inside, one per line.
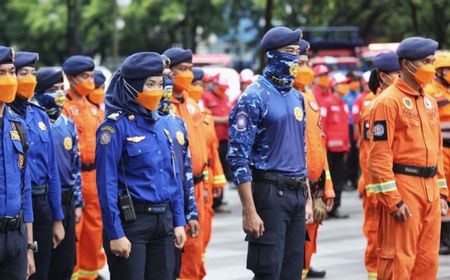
(241,121)
(293,69)
(407,103)
(380,131)
(68,144)
(135,139)
(313,106)
(105,138)
(180,137)
(14,135)
(60,99)
(108,128)
(42,126)
(298,113)
(74,110)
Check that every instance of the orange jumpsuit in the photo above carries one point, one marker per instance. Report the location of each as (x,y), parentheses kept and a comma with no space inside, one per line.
(316,156)
(405,130)
(370,203)
(215,179)
(189,111)
(442,96)
(90,255)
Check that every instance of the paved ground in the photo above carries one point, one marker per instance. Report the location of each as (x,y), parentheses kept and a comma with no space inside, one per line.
(340,246)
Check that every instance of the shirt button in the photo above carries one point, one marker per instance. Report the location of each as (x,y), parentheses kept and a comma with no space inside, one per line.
(160,170)
(139,151)
(159,152)
(280,192)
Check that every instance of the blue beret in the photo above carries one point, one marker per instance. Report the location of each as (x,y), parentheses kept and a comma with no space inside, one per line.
(25,59)
(413,48)
(142,65)
(78,64)
(387,62)
(6,55)
(304,46)
(198,74)
(278,37)
(178,55)
(99,78)
(46,78)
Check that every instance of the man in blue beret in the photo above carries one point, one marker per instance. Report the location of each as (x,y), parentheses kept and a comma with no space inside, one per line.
(271,179)
(189,111)
(87,117)
(16,213)
(50,96)
(406,167)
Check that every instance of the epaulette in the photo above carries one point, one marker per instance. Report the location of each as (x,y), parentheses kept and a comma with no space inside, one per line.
(35,105)
(115,116)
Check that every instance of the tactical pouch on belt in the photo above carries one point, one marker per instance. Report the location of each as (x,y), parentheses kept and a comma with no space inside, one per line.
(318,186)
(126,203)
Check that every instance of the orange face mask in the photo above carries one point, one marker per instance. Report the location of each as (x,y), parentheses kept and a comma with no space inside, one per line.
(424,74)
(221,90)
(97,96)
(324,81)
(343,89)
(305,76)
(84,88)
(26,86)
(8,88)
(149,99)
(195,92)
(183,80)
(355,85)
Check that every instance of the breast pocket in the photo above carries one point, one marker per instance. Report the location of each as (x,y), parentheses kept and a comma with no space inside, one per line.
(139,153)
(19,155)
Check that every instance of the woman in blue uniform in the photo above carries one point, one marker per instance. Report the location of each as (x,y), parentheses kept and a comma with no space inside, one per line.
(48,228)
(138,180)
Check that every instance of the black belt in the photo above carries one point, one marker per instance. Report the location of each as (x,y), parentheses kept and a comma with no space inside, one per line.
(67,196)
(418,171)
(147,208)
(279,179)
(10,223)
(446,143)
(199,178)
(39,190)
(88,167)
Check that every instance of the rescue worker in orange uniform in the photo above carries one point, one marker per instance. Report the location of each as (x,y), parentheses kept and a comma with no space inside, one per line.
(406,168)
(386,71)
(87,117)
(335,126)
(316,158)
(321,88)
(440,90)
(215,178)
(190,113)
(97,96)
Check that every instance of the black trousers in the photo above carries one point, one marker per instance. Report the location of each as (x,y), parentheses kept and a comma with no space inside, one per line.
(13,254)
(278,254)
(63,258)
(43,234)
(337,172)
(352,164)
(152,249)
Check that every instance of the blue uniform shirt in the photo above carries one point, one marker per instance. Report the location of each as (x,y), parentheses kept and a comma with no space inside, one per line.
(15,185)
(183,157)
(41,157)
(349,99)
(267,132)
(65,139)
(145,150)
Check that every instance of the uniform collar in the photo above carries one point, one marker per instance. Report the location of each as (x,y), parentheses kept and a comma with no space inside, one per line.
(80,102)
(404,87)
(143,122)
(175,100)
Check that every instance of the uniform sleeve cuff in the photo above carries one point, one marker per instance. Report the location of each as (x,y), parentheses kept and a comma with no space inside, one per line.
(28,218)
(116,234)
(191,217)
(59,216)
(179,221)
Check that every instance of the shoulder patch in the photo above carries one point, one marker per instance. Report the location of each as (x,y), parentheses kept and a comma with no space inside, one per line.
(380,131)
(105,137)
(115,116)
(36,106)
(241,121)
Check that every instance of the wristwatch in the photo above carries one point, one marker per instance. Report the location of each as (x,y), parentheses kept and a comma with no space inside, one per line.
(33,246)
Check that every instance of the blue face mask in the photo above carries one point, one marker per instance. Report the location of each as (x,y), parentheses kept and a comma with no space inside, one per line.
(52,102)
(165,104)
(281,69)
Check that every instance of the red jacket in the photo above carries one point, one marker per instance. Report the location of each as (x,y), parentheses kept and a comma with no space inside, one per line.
(335,124)
(219,106)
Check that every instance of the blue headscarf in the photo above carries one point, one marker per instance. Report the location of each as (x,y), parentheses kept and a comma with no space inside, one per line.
(129,81)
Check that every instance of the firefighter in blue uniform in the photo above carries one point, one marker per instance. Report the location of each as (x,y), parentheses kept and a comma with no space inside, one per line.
(50,96)
(48,228)
(138,180)
(181,147)
(266,125)
(16,212)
